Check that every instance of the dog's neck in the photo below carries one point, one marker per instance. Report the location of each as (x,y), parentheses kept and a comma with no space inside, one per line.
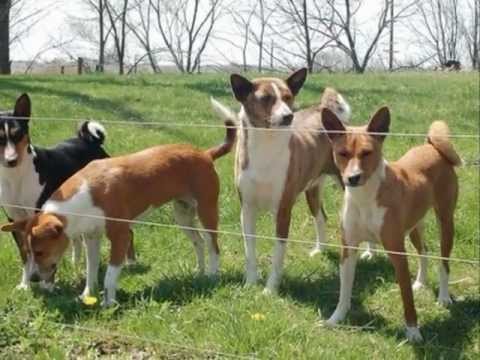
(262,137)
(16,175)
(367,193)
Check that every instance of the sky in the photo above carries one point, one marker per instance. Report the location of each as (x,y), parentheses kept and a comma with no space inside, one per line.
(54,24)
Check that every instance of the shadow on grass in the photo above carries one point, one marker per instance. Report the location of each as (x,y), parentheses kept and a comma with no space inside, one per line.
(118,108)
(215,88)
(322,291)
(176,289)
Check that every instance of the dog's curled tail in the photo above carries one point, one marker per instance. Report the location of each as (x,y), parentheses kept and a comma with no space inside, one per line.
(231,130)
(438,136)
(92,132)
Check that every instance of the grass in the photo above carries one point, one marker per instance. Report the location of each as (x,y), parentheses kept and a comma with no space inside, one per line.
(161,299)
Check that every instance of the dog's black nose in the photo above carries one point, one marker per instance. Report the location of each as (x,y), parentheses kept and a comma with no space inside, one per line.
(35,278)
(287,120)
(12,163)
(354,180)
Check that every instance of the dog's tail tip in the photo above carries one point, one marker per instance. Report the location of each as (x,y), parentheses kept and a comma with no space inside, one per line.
(439,137)
(224,112)
(92,132)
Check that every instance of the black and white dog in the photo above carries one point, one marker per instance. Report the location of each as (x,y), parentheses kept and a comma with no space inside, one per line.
(30,174)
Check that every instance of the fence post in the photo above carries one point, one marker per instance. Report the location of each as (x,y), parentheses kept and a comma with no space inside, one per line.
(62,69)
(80,66)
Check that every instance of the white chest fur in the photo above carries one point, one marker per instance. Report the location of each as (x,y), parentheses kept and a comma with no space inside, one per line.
(92,220)
(262,182)
(362,217)
(20,186)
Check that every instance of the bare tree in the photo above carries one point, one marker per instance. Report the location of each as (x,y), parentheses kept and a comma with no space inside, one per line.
(142,29)
(186,27)
(5,6)
(471,29)
(297,25)
(438,28)
(17,18)
(339,22)
(118,21)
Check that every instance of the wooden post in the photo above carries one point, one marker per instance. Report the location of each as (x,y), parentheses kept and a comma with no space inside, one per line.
(80,66)
(62,69)
(390,59)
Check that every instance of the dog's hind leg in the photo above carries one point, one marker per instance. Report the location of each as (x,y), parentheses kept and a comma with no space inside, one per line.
(208,215)
(416,237)
(445,220)
(131,258)
(316,209)
(184,213)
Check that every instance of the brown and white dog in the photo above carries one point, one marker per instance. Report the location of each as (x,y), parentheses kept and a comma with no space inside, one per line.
(279,155)
(125,187)
(387,201)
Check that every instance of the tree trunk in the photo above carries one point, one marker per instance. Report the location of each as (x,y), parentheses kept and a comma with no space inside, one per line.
(5,36)
(101,54)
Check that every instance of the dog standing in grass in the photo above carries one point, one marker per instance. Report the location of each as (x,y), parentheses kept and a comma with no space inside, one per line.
(280,154)
(124,187)
(387,201)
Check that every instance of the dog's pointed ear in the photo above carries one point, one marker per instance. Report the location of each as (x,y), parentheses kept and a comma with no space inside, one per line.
(23,107)
(296,80)
(241,87)
(50,228)
(379,124)
(19,225)
(332,124)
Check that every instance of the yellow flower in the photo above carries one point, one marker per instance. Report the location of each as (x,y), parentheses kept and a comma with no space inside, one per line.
(90,300)
(258,317)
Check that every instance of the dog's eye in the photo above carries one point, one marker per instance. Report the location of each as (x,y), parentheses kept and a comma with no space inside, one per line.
(343,154)
(3,140)
(16,135)
(287,98)
(38,254)
(365,153)
(266,99)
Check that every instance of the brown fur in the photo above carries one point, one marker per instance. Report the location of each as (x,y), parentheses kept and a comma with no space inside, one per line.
(126,186)
(421,179)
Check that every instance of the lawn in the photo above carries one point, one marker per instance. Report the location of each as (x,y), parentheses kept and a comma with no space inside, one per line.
(166,311)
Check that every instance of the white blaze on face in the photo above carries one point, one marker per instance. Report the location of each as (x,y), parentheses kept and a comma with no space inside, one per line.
(353,168)
(280,109)
(9,152)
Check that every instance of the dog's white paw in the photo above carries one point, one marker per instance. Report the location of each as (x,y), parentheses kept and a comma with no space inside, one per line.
(417,285)
(108,303)
(413,334)
(316,250)
(444,300)
(337,316)
(48,286)
(23,286)
(269,291)
(366,255)
(130,262)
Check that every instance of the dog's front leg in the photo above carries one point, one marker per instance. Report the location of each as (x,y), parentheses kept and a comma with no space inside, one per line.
(249,220)
(282,226)
(77,249)
(395,243)
(120,238)
(347,275)
(93,260)
(348,261)
(25,282)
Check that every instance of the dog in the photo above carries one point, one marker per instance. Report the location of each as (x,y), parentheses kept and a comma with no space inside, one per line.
(30,174)
(452,65)
(123,188)
(279,155)
(387,201)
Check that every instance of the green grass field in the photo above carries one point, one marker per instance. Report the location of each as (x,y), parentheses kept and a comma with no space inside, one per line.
(179,315)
